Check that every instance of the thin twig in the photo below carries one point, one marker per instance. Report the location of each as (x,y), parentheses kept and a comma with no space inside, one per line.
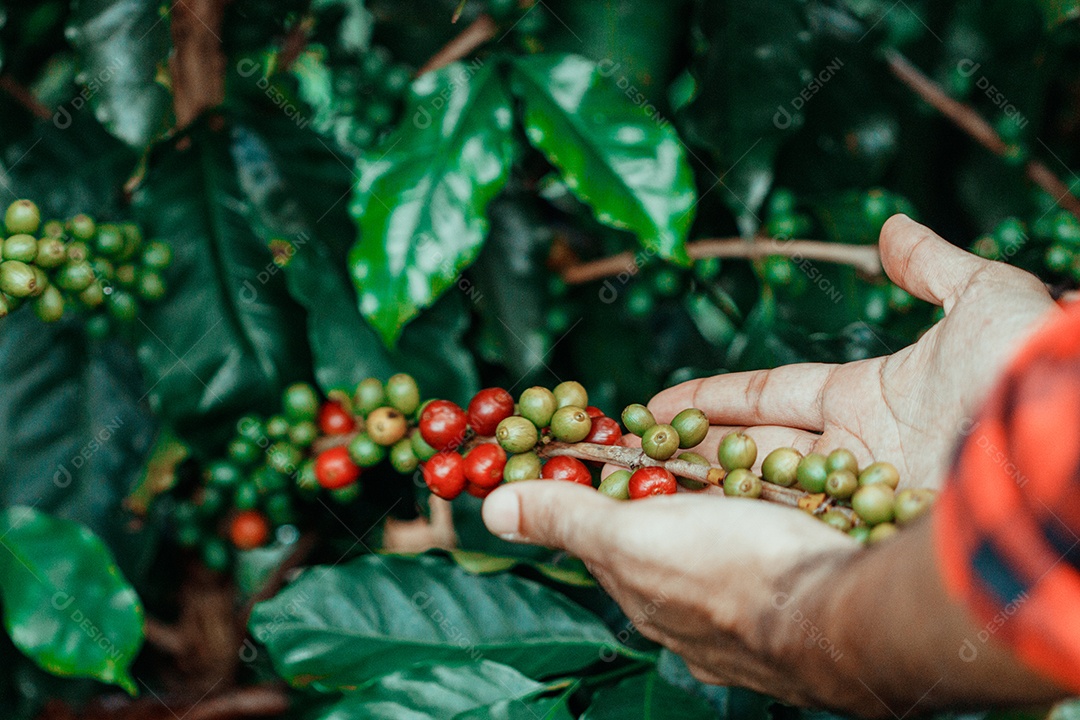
(197,64)
(967,119)
(475,34)
(24,97)
(864,258)
(164,636)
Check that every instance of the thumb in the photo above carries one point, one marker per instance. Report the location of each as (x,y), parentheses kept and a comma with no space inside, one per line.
(554,513)
(925,264)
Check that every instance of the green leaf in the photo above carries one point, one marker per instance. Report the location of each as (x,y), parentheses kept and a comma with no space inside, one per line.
(66,605)
(481,563)
(756,65)
(120,45)
(435,692)
(331,627)
(421,202)
(625,164)
(728,703)
(547,708)
(646,697)
(229,338)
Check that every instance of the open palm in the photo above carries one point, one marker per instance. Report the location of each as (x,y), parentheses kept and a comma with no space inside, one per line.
(908,407)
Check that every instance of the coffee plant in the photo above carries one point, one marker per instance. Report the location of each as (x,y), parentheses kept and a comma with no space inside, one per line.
(309,279)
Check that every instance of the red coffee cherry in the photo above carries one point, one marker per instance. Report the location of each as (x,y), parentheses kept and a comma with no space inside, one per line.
(334,420)
(594,412)
(477,491)
(561,467)
(445,474)
(484,466)
(604,431)
(249,530)
(335,469)
(648,481)
(488,408)
(442,424)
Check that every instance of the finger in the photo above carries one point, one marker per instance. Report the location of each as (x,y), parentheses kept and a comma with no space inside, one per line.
(789,395)
(925,264)
(554,513)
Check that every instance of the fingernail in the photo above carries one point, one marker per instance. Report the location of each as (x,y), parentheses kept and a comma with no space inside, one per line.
(502,514)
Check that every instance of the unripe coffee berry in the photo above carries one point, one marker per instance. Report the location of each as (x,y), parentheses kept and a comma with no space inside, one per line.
(109,240)
(121,306)
(566,468)
(223,474)
(369,394)
(637,418)
(692,427)
(570,393)
(386,425)
(22,216)
(17,279)
(41,281)
(484,466)
(516,434)
(277,427)
(880,533)
(570,424)
(49,307)
(284,457)
(616,485)
(346,495)
(334,419)
(836,519)
(421,449)
(303,433)
(73,277)
(268,480)
(873,503)
(861,533)
(525,466)
(912,503)
(50,253)
(246,496)
(660,442)
(781,466)
(300,402)
(604,431)
(487,409)
(444,475)
(812,473)
(740,482)
(243,452)
(648,481)
(93,295)
(402,457)
(82,226)
(21,247)
(880,472)
(335,469)
(364,451)
(403,393)
(841,459)
(249,530)
(692,457)
(537,404)
(737,450)
(841,484)
(442,424)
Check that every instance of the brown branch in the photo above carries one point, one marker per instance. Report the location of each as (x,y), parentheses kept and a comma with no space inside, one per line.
(276,579)
(197,65)
(253,701)
(967,119)
(295,42)
(164,636)
(475,34)
(864,258)
(24,97)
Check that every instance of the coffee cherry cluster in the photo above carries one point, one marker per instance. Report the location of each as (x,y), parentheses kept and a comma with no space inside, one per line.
(104,269)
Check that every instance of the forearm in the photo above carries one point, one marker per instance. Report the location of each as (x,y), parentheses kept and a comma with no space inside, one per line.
(901,644)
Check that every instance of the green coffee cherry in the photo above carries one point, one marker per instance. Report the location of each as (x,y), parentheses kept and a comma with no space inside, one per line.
(223,474)
(53,229)
(570,393)
(538,404)
(421,449)
(881,532)
(403,393)
(77,251)
(841,459)
(126,275)
(50,253)
(22,216)
(368,396)
(740,482)
(121,306)
(82,226)
(660,442)
(841,484)
(525,466)
(215,554)
(251,427)
(109,241)
(781,466)
(303,433)
(41,281)
(246,496)
(616,485)
(17,279)
(637,418)
(912,503)
(277,427)
(243,452)
(150,286)
(861,533)
(365,452)
(402,457)
(50,306)
(21,247)
(75,276)
(692,457)
(736,451)
(284,457)
(880,472)
(516,435)
(346,495)
(307,482)
(836,519)
(692,426)
(5,307)
(571,424)
(873,503)
(812,473)
(93,295)
(157,255)
(300,402)
(269,480)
